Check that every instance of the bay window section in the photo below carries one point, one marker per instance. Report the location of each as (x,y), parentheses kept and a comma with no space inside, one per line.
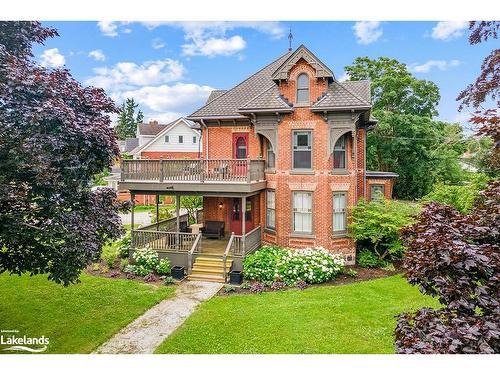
(302,212)
(339,213)
(271,209)
(302,149)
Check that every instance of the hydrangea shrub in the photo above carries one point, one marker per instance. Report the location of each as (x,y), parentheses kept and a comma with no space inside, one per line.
(312,265)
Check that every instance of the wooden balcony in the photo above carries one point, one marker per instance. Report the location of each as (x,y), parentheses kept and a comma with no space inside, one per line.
(193,175)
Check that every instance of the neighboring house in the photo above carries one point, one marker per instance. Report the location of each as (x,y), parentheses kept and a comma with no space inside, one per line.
(179,139)
(282,163)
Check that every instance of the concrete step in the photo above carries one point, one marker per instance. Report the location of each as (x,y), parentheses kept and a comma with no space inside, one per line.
(210,263)
(211,270)
(206,277)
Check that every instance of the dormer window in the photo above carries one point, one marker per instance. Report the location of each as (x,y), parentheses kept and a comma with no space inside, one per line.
(303,89)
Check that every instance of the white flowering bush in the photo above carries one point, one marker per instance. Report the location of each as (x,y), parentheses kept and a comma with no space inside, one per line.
(312,265)
(146,258)
(262,265)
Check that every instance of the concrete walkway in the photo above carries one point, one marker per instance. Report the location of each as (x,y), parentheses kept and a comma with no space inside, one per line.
(148,331)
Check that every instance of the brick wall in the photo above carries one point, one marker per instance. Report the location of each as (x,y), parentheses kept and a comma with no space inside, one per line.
(220,142)
(386,182)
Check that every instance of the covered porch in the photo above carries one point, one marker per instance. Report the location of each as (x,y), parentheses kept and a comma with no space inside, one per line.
(196,247)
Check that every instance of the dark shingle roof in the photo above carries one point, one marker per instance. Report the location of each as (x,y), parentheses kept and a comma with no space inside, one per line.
(131,143)
(268,99)
(345,95)
(215,94)
(152,128)
(380,174)
(227,104)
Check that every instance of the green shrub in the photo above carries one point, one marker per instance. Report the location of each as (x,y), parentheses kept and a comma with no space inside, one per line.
(109,255)
(377,224)
(272,263)
(163,267)
(147,258)
(229,288)
(261,265)
(164,213)
(124,245)
(169,280)
(460,197)
(351,272)
(368,259)
(123,264)
(245,285)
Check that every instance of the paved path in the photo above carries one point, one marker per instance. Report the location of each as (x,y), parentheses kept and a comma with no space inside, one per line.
(148,331)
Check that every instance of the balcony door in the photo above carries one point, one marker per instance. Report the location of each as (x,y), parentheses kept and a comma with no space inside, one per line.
(240,152)
(237,215)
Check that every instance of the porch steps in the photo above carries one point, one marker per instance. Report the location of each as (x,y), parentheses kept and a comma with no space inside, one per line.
(209,269)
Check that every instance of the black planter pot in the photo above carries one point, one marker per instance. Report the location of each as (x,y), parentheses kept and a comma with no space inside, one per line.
(177,272)
(236,277)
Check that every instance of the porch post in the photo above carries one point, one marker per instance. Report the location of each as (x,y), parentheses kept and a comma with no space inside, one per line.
(157,211)
(177,219)
(243,221)
(132,197)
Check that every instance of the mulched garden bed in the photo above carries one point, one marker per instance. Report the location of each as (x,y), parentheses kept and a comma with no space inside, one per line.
(116,273)
(363,274)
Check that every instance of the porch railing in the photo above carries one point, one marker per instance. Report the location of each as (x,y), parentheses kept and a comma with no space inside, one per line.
(195,248)
(242,245)
(193,170)
(163,241)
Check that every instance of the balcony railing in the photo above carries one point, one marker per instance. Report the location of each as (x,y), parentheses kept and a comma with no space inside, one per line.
(193,170)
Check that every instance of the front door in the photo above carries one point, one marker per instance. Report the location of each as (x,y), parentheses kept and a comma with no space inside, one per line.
(237,216)
(240,152)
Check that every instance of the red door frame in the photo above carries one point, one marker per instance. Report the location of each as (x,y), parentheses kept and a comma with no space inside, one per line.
(236,214)
(240,169)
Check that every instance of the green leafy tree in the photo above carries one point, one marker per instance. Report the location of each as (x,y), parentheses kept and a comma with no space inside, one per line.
(191,203)
(128,120)
(406,140)
(376,225)
(394,88)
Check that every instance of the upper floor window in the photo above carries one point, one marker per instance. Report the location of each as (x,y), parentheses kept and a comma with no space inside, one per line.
(181,139)
(194,138)
(167,139)
(271,159)
(302,149)
(303,88)
(340,153)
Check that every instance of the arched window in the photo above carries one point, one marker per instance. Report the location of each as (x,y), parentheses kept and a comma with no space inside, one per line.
(241,148)
(340,153)
(271,159)
(303,88)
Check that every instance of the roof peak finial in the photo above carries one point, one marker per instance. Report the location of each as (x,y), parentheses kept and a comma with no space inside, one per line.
(290,37)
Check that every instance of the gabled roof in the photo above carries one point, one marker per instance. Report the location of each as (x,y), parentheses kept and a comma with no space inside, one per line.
(267,100)
(341,95)
(322,71)
(215,94)
(151,128)
(165,129)
(380,174)
(228,103)
(131,143)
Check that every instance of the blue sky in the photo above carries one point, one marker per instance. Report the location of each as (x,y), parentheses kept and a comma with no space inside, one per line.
(170,68)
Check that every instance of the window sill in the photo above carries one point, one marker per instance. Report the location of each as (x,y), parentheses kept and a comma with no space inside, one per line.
(270,231)
(306,172)
(270,171)
(340,172)
(303,236)
(302,105)
(339,235)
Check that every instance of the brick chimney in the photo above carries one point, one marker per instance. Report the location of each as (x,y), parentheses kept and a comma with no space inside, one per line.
(153,122)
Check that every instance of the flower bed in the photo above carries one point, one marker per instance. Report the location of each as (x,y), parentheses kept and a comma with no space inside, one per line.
(311,265)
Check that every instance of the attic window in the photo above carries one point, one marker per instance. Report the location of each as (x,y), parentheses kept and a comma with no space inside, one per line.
(303,88)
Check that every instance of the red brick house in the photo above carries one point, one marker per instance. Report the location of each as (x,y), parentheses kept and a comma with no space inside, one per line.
(283,160)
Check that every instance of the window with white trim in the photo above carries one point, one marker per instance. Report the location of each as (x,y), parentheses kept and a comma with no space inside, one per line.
(271,209)
(167,139)
(181,139)
(302,149)
(302,212)
(194,138)
(339,212)
(303,88)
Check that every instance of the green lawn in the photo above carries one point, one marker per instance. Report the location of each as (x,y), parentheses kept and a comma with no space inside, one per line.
(353,318)
(76,319)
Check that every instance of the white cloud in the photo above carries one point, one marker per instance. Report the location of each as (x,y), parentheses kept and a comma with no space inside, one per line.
(167,98)
(52,58)
(367,31)
(439,64)
(157,43)
(125,75)
(162,117)
(446,30)
(344,77)
(214,46)
(108,28)
(97,55)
